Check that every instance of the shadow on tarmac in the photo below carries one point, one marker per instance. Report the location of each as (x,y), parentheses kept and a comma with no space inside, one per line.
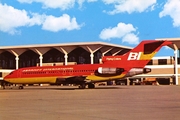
(62,88)
(76,88)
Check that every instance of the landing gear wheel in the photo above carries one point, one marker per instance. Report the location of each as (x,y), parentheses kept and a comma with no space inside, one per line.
(91,85)
(3,85)
(82,86)
(21,87)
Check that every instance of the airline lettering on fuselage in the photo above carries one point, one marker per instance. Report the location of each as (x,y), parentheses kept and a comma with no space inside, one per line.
(113,59)
(134,56)
(47,69)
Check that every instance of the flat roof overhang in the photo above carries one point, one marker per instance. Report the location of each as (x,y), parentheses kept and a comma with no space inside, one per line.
(65,47)
(63,44)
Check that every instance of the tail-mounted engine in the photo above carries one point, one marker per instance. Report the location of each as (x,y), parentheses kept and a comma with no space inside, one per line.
(137,71)
(106,70)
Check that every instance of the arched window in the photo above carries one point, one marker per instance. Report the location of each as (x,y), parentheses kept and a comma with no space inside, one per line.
(79,55)
(7,60)
(53,55)
(28,58)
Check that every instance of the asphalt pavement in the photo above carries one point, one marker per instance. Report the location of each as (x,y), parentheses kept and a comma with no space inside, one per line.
(101,103)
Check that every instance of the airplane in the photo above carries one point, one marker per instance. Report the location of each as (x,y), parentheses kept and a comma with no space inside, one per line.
(113,67)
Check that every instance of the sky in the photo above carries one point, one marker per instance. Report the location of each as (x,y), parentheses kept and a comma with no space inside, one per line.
(122,22)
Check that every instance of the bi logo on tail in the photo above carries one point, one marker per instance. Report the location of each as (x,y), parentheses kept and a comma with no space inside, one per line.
(134,56)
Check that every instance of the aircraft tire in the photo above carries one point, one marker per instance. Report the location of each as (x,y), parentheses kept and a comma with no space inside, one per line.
(3,84)
(21,87)
(91,85)
(83,86)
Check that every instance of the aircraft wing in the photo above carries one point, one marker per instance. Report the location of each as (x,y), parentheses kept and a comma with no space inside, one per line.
(71,80)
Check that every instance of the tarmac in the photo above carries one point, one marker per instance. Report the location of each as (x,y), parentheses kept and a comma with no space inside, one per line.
(101,103)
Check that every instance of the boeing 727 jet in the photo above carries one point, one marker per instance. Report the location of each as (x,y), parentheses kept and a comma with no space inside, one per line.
(112,68)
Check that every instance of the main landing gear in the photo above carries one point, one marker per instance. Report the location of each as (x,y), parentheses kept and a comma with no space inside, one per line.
(91,85)
(5,85)
(21,87)
(83,86)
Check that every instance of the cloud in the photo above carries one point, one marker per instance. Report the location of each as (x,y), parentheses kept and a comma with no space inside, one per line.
(122,31)
(11,19)
(172,8)
(92,0)
(130,38)
(63,22)
(130,6)
(61,4)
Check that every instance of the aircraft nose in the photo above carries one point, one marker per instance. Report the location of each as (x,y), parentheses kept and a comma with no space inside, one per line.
(6,78)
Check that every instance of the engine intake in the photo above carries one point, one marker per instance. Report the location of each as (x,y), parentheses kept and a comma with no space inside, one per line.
(147,70)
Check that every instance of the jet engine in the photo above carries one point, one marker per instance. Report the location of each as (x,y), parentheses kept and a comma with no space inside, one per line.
(136,71)
(106,70)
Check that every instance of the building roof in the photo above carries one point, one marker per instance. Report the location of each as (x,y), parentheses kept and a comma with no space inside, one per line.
(63,44)
(65,47)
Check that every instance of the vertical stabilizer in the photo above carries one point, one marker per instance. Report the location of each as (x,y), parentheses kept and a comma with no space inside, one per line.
(139,56)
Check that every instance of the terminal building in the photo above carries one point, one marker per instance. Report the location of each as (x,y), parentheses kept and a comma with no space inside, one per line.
(164,69)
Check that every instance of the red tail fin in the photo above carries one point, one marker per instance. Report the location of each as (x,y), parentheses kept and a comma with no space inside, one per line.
(137,57)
